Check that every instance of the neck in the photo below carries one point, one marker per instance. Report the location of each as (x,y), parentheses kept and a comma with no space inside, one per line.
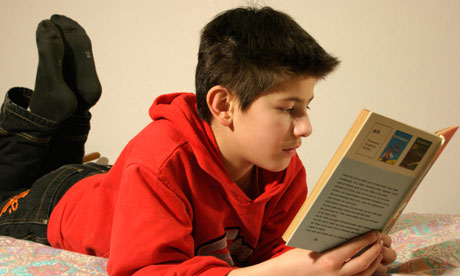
(245,181)
(240,171)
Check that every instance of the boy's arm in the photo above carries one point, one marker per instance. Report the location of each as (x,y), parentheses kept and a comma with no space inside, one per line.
(152,231)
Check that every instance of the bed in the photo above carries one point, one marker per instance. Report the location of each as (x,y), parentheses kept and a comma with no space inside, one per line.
(427,244)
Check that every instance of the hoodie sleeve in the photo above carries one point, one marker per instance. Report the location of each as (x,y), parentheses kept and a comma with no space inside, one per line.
(152,230)
(282,212)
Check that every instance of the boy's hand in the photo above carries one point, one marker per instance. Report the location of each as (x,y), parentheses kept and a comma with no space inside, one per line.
(343,258)
(389,255)
(337,262)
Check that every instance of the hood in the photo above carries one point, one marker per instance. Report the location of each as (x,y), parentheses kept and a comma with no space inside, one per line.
(180,109)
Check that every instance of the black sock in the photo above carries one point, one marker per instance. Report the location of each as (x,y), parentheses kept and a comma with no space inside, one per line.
(52,98)
(79,69)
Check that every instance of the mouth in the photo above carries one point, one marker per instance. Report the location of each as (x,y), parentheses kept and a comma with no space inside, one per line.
(291,151)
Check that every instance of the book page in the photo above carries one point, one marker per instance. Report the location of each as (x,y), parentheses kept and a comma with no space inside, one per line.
(368,185)
(356,200)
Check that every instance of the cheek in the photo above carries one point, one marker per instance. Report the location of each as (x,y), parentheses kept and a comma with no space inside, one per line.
(271,130)
(263,128)
(278,125)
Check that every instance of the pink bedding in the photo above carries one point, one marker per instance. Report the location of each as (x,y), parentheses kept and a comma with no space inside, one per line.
(427,244)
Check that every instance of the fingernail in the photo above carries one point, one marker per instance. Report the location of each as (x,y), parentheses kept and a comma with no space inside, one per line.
(347,260)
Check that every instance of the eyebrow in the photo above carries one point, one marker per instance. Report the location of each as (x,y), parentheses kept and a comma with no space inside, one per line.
(295,99)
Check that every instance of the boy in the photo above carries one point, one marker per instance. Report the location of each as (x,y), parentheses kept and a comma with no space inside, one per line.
(207,188)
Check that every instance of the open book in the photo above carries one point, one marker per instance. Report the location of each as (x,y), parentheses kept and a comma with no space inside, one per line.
(368,182)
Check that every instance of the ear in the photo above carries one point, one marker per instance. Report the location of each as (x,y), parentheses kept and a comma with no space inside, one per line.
(221,103)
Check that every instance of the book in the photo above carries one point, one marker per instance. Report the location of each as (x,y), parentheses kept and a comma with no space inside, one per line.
(367,183)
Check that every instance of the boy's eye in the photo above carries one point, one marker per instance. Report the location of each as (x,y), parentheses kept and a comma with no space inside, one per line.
(287,109)
(294,111)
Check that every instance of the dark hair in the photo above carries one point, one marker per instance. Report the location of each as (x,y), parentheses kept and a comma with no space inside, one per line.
(251,50)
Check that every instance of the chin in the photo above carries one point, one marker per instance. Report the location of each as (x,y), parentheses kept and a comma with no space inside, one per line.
(276,167)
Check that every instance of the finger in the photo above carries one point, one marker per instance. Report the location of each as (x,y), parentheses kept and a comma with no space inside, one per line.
(372,269)
(381,269)
(389,255)
(354,246)
(386,240)
(364,262)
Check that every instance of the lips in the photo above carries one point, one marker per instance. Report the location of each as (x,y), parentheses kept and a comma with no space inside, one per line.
(291,151)
(293,146)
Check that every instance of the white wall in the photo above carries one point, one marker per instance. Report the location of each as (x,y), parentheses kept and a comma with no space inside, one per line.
(399,58)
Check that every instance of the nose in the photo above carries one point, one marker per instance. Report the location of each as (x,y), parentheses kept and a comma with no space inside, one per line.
(302,126)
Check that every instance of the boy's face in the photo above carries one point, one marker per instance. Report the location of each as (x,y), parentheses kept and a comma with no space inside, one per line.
(268,133)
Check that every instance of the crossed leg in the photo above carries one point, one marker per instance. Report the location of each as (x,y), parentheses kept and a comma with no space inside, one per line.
(47,128)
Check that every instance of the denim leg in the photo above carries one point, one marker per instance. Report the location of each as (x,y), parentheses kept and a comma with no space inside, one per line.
(67,146)
(26,215)
(31,146)
(24,142)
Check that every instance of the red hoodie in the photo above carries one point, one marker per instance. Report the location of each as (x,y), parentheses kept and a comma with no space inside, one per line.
(168,206)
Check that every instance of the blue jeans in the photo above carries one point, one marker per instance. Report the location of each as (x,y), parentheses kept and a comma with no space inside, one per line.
(39,161)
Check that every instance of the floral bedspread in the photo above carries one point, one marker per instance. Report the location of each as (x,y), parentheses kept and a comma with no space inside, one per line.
(427,244)
(25,258)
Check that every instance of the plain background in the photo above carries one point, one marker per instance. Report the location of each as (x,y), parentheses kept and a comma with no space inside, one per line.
(400,58)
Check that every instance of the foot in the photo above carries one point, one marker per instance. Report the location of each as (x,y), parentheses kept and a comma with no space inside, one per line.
(79,69)
(52,98)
